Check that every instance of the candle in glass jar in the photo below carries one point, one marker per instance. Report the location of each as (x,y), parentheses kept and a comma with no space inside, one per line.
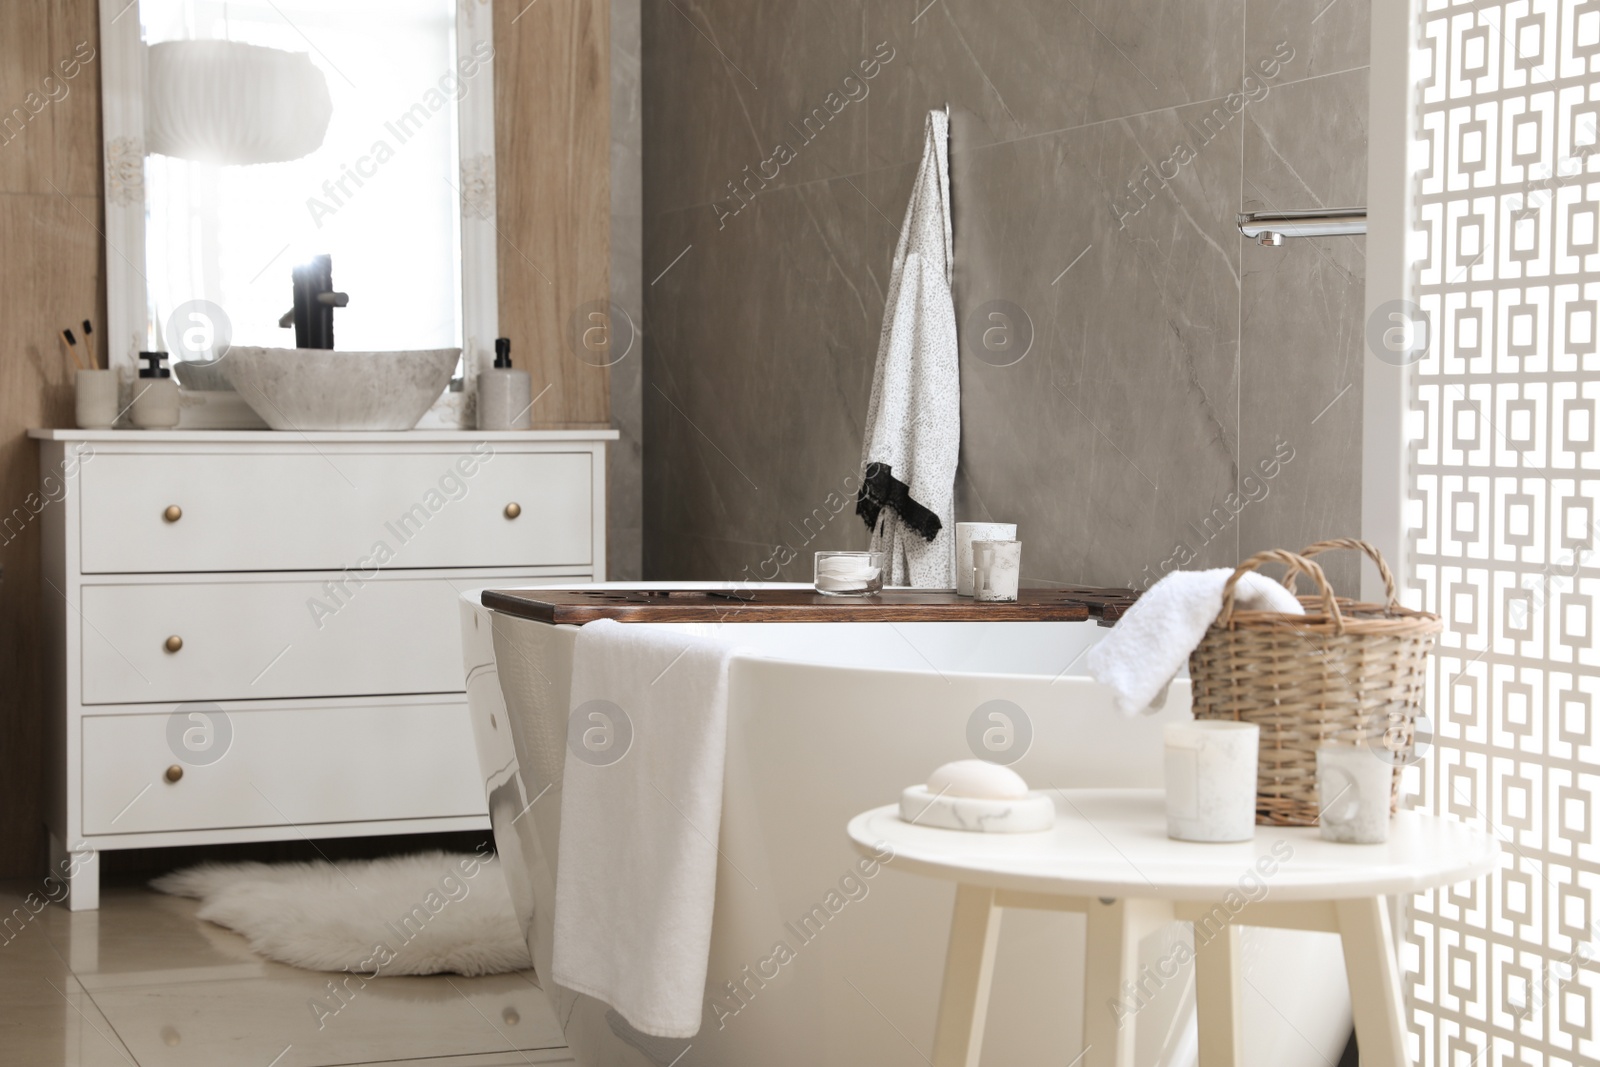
(1353,785)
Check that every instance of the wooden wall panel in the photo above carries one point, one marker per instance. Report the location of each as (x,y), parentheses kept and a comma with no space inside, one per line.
(26,152)
(552,180)
(75,32)
(50,277)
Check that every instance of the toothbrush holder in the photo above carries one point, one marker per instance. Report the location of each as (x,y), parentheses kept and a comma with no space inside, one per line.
(95,400)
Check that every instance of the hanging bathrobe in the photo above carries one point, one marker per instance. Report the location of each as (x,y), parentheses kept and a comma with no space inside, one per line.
(914,417)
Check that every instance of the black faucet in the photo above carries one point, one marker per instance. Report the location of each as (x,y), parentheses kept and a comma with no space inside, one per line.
(314,301)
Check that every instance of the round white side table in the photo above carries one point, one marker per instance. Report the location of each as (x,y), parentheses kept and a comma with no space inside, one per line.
(1109,858)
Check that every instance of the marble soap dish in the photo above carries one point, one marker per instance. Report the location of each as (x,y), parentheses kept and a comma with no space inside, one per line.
(977,796)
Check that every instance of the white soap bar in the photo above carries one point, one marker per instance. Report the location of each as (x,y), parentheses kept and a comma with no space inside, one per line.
(977,778)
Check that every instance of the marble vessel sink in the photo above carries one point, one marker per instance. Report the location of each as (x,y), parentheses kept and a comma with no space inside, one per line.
(201,376)
(318,389)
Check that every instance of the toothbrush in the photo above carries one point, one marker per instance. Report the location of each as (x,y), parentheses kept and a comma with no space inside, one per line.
(69,344)
(89,345)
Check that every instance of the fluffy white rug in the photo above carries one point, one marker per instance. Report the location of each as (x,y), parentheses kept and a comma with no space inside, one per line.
(428,913)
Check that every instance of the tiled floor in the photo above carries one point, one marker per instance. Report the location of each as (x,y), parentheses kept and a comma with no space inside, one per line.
(143,983)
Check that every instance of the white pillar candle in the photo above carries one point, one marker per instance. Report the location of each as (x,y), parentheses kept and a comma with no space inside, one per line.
(1353,784)
(996,569)
(1211,780)
(968,532)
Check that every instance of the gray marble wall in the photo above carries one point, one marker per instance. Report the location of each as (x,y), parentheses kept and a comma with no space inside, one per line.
(1155,391)
(624,466)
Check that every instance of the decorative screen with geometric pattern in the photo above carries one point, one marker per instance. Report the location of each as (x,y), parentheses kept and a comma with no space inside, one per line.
(1502,502)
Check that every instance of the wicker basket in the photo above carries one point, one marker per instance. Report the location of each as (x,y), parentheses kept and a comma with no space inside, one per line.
(1344,672)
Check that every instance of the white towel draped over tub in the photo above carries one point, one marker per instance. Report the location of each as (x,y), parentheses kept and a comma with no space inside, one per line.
(637,872)
(914,417)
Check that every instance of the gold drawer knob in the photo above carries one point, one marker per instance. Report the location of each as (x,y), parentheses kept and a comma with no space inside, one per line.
(173,513)
(513,510)
(174,772)
(174,643)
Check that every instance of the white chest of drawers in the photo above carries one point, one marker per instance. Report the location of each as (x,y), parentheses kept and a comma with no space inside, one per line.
(253,636)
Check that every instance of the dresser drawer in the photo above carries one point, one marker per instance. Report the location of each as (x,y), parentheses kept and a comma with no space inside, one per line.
(250,639)
(255,511)
(285,767)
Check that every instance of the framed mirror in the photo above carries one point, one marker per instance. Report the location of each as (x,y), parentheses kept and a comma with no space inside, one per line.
(245,138)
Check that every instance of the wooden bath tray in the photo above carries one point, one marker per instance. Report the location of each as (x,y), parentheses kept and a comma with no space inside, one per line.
(579,606)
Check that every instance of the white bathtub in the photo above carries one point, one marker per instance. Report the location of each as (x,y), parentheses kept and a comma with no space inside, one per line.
(825,721)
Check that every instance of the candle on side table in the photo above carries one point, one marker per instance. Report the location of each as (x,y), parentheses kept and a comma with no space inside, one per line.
(1211,780)
(1353,788)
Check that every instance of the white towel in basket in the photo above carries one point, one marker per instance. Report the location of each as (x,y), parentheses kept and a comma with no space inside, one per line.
(1149,645)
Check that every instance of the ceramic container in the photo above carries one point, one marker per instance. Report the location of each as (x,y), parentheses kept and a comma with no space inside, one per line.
(968,532)
(155,404)
(1211,780)
(996,569)
(505,399)
(201,376)
(96,399)
(155,394)
(1353,786)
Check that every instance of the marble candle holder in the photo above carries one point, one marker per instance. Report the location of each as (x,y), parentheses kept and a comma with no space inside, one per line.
(1353,789)
(1211,780)
(996,570)
(968,532)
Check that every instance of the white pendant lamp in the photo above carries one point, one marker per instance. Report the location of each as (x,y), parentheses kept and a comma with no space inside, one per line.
(228,102)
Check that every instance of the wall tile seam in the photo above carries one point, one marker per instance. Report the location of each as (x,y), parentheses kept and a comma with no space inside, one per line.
(1238,306)
(992,145)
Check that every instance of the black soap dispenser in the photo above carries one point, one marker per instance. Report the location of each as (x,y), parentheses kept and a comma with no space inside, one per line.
(505,395)
(155,394)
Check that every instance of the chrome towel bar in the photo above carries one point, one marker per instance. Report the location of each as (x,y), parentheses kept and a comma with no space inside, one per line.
(1271,227)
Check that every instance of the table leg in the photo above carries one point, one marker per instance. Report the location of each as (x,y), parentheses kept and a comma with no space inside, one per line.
(968,972)
(1111,961)
(1374,976)
(1216,994)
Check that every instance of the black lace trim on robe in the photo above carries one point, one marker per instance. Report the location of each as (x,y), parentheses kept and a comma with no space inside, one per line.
(880,489)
